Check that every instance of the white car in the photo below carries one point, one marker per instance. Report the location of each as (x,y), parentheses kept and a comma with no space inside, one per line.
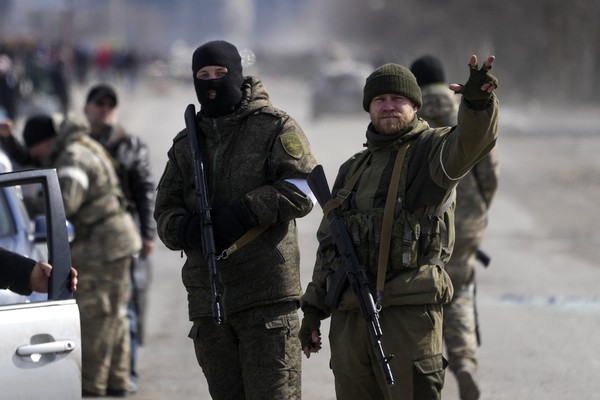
(40,342)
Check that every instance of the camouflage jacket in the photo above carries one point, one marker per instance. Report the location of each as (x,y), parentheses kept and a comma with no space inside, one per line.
(436,159)
(440,105)
(248,155)
(474,195)
(93,201)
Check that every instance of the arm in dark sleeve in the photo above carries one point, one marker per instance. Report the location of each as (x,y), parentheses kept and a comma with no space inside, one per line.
(142,189)
(170,209)
(15,272)
(15,150)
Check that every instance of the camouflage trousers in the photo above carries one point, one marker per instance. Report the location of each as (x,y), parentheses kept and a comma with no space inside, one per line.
(459,329)
(102,295)
(254,355)
(459,315)
(412,333)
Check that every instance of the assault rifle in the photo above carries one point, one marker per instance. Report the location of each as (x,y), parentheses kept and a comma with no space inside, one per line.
(208,239)
(354,272)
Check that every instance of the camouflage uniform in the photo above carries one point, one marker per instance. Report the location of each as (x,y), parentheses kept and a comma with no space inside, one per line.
(416,284)
(248,155)
(105,240)
(473,197)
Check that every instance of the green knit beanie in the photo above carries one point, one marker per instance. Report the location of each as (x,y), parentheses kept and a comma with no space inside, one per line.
(391,78)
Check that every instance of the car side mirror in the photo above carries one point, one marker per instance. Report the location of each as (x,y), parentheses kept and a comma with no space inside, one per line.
(40,234)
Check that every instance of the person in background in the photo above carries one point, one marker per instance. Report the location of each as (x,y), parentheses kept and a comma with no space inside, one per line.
(417,168)
(106,240)
(23,275)
(9,89)
(257,159)
(131,158)
(474,195)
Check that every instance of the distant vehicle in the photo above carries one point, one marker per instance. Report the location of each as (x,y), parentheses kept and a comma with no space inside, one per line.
(40,343)
(338,89)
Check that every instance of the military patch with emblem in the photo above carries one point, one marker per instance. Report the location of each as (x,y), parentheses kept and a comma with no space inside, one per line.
(292,144)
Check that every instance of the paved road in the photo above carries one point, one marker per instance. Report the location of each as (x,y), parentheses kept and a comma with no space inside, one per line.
(539,302)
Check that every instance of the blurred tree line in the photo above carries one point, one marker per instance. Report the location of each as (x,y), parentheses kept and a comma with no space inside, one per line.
(545,49)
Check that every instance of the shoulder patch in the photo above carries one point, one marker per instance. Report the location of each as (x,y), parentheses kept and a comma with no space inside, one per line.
(292,144)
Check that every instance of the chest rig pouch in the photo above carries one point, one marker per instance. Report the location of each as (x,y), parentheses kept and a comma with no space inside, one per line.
(411,238)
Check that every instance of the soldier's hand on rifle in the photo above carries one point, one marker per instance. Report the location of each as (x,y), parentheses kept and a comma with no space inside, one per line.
(229,224)
(190,231)
(310,335)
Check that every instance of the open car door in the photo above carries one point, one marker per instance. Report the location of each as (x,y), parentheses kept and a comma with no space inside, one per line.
(40,343)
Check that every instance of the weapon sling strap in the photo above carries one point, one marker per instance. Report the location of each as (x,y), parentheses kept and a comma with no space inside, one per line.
(256,231)
(343,193)
(388,212)
(241,242)
(388,219)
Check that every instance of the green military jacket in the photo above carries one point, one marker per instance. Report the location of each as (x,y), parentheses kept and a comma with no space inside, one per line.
(93,201)
(476,189)
(435,161)
(248,155)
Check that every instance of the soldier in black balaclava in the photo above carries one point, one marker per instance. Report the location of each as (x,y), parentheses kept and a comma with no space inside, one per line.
(220,96)
(256,160)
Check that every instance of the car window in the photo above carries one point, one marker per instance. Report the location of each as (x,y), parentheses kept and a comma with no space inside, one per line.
(7,223)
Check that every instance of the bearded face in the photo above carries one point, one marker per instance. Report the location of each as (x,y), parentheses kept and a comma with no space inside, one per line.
(391,113)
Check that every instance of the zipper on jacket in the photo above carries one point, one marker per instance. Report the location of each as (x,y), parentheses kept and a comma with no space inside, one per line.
(214,160)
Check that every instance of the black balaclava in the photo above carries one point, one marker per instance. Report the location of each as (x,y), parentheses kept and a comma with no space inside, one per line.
(228,88)
(428,70)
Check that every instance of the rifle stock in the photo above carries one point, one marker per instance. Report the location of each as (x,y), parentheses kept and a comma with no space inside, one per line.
(350,267)
(208,239)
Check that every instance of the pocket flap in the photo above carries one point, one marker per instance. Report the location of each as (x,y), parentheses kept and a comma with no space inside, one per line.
(431,365)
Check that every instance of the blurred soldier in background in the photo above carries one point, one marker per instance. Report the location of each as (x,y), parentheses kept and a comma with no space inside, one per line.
(473,197)
(257,159)
(9,89)
(105,240)
(131,158)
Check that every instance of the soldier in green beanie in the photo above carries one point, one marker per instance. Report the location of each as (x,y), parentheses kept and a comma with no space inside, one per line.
(397,200)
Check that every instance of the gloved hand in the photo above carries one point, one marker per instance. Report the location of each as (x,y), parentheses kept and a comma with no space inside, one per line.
(310,323)
(229,224)
(480,85)
(190,232)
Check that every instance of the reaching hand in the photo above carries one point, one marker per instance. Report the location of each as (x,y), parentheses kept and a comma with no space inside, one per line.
(6,128)
(38,280)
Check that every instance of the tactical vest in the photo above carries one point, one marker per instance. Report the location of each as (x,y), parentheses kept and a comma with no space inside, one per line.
(423,226)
